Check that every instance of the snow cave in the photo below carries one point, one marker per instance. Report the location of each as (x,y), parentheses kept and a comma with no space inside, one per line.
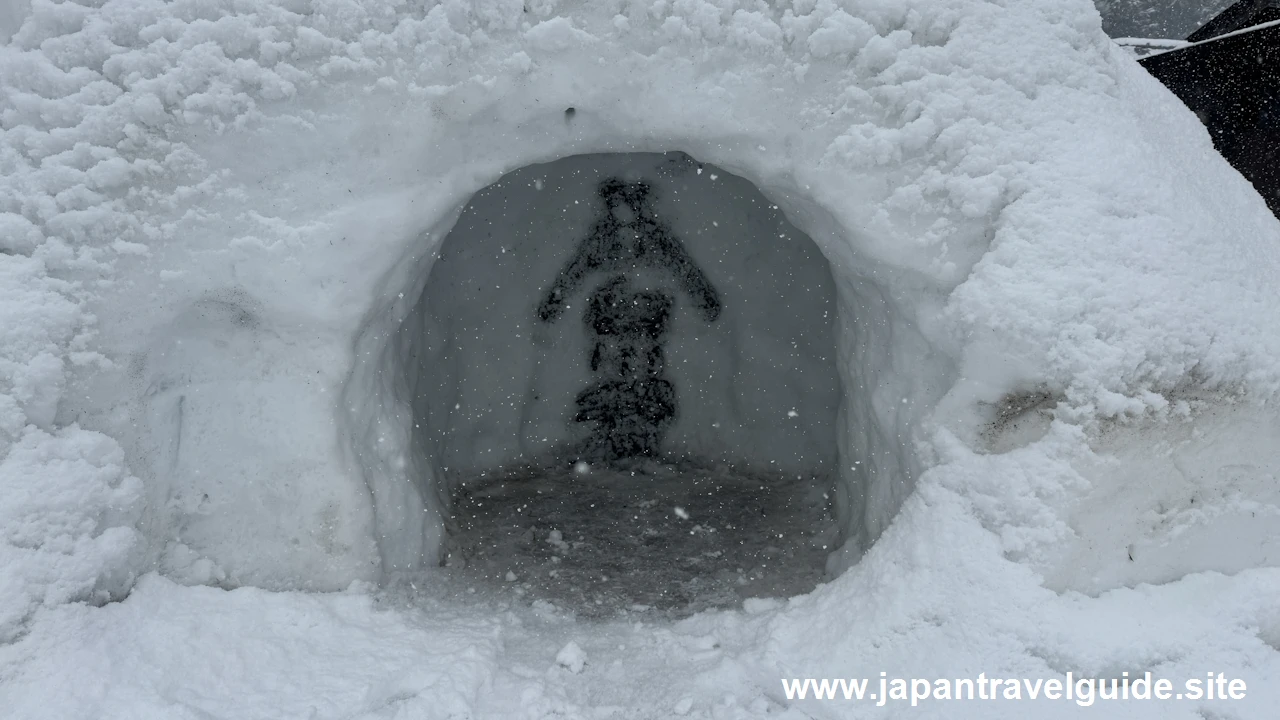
(452,358)
(616,379)
(657,391)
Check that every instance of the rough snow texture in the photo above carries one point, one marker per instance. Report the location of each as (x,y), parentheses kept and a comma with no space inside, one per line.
(1009,204)
(65,523)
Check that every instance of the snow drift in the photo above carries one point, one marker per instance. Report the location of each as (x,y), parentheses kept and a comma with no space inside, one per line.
(1054,329)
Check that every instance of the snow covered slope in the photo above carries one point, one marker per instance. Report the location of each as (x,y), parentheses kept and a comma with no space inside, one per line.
(1056,335)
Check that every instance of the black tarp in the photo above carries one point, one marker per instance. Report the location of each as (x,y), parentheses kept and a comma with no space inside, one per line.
(1232,82)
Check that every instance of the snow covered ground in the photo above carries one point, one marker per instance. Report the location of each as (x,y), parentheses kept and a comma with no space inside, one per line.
(1055,345)
(664,540)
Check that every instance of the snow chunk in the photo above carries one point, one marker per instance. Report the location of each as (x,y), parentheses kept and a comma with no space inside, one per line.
(18,235)
(840,34)
(556,540)
(572,657)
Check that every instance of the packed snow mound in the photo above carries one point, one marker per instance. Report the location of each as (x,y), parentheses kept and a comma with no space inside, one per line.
(1051,294)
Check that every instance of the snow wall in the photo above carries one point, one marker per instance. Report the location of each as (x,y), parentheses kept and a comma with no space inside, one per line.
(216,218)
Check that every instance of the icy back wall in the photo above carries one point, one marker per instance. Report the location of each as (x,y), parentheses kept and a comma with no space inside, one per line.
(757,386)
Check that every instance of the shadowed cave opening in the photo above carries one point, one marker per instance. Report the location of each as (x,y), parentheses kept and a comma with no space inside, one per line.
(627,382)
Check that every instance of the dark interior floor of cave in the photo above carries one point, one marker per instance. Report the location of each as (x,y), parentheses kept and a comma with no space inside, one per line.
(660,539)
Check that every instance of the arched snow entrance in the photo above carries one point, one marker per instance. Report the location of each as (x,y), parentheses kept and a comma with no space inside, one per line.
(794,400)
(577,377)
